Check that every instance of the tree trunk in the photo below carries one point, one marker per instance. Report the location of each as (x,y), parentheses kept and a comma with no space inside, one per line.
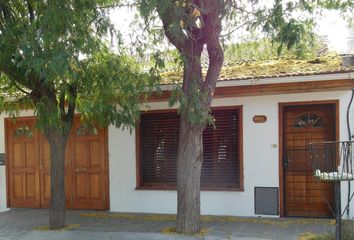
(198,94)
(190,148)
(189,166)
(57,141)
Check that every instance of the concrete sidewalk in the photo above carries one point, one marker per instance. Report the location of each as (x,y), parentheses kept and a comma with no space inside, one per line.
(86,225)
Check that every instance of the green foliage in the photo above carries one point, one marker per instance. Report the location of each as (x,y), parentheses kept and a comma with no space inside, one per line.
(195,114)
(288,26)
(294,35)
(54,59)
(291,24)
(124,84)
(313,236)
(254,48)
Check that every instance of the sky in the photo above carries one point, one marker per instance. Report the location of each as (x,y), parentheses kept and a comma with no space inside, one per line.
(330,24)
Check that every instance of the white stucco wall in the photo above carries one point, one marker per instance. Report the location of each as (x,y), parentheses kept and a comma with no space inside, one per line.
(2,189)
(2,168)
(259,155)
(260,158)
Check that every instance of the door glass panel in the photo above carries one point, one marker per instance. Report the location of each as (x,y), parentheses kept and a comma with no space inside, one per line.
(86,129)
(23,131)
(308,120)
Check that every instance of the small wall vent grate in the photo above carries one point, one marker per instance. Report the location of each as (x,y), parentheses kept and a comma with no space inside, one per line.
(2,158)
(266,200)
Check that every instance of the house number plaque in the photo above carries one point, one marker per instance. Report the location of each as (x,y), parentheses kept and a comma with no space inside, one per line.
(259,119)
(2,158)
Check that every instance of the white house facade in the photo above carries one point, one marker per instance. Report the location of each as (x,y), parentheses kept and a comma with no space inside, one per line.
(125,176)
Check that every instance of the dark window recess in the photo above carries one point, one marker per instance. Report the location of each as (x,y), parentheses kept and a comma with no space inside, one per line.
(159,144)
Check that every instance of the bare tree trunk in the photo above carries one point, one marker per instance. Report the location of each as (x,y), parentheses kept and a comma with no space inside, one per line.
(189,165)
(57,141)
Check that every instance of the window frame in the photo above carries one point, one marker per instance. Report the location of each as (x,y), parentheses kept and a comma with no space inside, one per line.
(164,186)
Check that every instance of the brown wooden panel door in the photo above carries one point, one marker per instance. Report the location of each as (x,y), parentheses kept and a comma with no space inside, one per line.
(86,177)
(303,195)
(89,164)
(44,165)
(23,168)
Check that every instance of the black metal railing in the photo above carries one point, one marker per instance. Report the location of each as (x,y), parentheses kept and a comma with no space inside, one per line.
(332,161)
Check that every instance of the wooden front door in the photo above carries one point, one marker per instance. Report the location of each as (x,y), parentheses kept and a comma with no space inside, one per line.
(90,175)
(303,195)
(23,164)
(29,167)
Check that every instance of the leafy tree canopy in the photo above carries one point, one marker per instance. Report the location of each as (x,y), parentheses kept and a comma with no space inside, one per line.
(54,58)
(285,26)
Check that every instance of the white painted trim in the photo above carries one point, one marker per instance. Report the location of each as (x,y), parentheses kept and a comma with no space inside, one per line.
(291,79)
(351,75)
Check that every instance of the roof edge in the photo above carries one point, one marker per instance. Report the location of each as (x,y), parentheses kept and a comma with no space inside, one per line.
(343,75)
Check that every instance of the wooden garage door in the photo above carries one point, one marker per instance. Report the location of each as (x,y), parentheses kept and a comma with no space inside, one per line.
(29,167)
(304,196)
(23,164)
(89,175)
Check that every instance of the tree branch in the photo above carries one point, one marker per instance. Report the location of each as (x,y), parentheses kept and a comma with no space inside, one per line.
(169,19)
(18,87)
(62,104)
(5,10)
(72,103)
(212,30)
(12,73)
(30,10)
(118,5)
(238,27)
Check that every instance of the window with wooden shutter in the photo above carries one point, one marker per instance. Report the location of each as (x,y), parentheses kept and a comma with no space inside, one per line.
(157,144)
(221,152)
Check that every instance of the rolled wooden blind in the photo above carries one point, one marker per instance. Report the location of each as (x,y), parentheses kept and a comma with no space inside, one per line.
(221,158)
(159,143)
